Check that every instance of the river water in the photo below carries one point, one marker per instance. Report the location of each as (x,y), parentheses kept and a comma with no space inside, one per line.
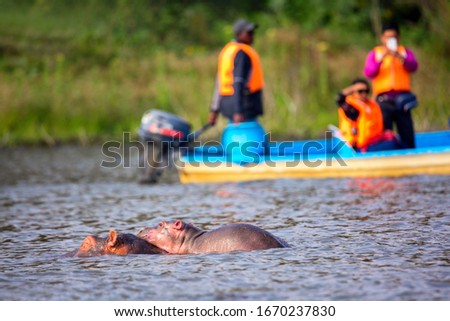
(352,239)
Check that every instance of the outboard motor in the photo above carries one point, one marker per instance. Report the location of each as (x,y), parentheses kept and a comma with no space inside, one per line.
(161,126)
(162,134)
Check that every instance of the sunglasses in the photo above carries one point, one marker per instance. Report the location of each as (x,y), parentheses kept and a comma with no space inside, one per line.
(363,91)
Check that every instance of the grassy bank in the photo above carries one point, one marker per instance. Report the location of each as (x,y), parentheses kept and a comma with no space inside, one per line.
(72,77)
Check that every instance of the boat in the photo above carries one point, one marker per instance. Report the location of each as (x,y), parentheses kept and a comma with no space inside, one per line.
(246,153)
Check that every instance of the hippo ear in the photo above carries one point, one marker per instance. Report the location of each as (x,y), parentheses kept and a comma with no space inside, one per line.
(178,225)
(112,239)
(89,243)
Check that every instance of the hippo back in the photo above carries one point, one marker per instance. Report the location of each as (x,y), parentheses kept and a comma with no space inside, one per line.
(237,237)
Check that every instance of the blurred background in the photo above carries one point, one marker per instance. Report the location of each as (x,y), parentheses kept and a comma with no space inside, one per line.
(85,71)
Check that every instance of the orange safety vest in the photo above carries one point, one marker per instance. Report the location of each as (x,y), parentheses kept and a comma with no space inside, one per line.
(392,74)
(367,128)
(226,66)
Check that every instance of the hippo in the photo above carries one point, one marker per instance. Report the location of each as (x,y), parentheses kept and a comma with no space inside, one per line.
(115,243)
(178,237)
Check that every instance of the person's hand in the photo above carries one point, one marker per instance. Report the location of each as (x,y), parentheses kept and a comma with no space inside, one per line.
(348,90)
(396,54)
(353,88)
(388,52)
(392,53)
(238,118)
(212,118)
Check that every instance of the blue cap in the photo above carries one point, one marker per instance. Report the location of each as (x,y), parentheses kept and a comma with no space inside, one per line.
(243,25)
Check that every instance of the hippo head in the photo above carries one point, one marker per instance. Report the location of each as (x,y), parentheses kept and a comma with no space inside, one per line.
(116,244)
(91,246)
(165,236)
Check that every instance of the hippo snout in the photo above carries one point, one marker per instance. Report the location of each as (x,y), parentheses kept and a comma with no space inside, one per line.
(143,232)
(147,233)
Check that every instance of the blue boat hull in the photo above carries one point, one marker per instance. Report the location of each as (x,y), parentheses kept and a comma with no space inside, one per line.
(315,159)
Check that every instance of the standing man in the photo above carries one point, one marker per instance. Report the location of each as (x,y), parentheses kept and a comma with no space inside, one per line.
(238,93)
(389,66)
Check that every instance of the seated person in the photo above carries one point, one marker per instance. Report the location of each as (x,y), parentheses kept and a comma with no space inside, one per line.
(361,120)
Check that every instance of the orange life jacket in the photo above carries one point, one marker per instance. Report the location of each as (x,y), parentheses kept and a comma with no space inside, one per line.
(392,74)
(367,128)
(255,81)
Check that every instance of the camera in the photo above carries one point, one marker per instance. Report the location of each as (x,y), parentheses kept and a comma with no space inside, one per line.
(391,43)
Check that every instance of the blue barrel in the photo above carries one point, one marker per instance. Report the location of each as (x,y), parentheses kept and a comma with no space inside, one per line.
(244,142)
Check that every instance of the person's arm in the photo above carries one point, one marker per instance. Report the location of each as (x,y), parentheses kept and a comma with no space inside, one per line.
(371,67)
(410,62)
(241,72)
(340,99)
(348,109)
(214,108)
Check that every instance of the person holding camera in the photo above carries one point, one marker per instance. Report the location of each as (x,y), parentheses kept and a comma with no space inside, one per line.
(389,66)
(360,119)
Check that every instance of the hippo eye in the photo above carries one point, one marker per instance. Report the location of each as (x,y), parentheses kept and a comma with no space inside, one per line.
(161,224)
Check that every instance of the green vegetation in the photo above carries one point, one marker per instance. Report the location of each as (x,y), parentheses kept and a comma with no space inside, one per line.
(87,70)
